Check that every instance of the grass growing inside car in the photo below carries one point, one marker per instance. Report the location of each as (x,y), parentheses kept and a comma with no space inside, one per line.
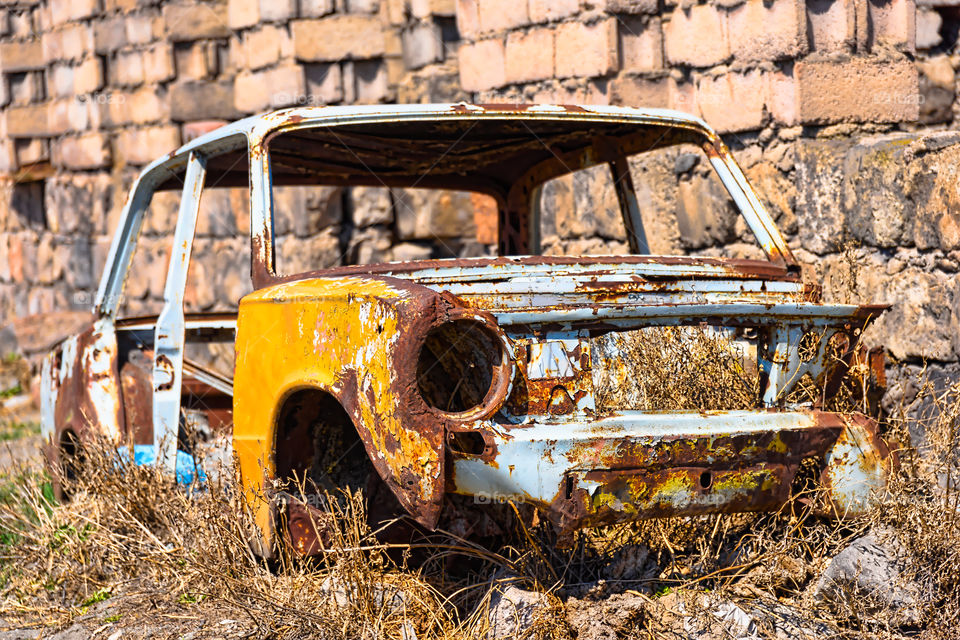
(134,551)
(673,368)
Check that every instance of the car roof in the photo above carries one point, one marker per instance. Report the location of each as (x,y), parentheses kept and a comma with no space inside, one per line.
(419,124)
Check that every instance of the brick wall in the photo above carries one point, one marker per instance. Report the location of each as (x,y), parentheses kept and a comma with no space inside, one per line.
(826,104)
(92,90)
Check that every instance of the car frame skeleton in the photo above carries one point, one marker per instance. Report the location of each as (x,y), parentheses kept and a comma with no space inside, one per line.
(352,354)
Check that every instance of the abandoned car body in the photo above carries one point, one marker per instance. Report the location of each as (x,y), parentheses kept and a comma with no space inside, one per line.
(468,376)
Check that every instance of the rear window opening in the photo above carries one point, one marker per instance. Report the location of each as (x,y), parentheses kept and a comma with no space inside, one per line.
(713,368)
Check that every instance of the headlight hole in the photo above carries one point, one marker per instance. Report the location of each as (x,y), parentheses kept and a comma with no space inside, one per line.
(459,364)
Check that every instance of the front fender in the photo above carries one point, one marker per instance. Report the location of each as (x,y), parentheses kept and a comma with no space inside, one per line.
(358,338)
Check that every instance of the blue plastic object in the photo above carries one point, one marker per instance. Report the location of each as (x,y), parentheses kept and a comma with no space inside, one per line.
(187,468)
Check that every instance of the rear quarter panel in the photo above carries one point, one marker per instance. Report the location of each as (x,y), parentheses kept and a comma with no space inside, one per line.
(355,338)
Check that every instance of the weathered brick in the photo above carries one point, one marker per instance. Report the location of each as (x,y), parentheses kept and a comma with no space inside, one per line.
(25,87)
(324,83)
(31,151)
(18,25)
(277,87)
(425,214)
(185,21)
(77,41)
(62,11)
(340,37)
(893,23)
(249,96)
(143,145)
(15,257)
(529,56)
(633,6)
(468,18)
(591,92)
(831,25)
(61,80)
(262,46)
(371,81)
(202,101)
(316,8)
(117,108)
(109,34)
(683,96)
(782,97)
(760,30)
(393,42)
(242,14)
(71,114)
(195,60)
(27,121)
(586,49)
(641,44)
(88,76)
(278,10)
(482,65)
(87,151)
(72,42)
(148,105)
(857,90)
(122,6)
(143,28)
(551,10)
(193,130)
(158,63)
(696,36)
(127,69)
(58,116)
(424,9)
(633,91)
(928,23)
(21,56)
(733,101)
(497,16)
(422,45)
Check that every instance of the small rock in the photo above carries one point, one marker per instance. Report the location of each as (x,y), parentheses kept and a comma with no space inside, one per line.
(383,596)
(630,562)
(685,162)
(20,634)
(608,618)
(74,632)
(513,610)
(871,573)
(785,622)
(709,617)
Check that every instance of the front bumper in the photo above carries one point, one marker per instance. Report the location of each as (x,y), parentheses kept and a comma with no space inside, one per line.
(638,465)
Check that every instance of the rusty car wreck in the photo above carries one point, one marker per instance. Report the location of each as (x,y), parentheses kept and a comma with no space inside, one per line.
(465,376)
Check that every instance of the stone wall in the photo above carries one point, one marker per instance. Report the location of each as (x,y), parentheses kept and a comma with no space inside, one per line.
(838,110)
(92,90)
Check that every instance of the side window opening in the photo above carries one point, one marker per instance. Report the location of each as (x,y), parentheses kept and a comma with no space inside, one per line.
(683,204)
(143,287)
(318,227)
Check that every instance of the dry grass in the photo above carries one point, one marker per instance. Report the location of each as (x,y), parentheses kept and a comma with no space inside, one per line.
(129,530)
(132,538)
(674,368)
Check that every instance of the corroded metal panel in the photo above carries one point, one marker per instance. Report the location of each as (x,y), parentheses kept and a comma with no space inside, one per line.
(641,465)
(357,339)
(170,331)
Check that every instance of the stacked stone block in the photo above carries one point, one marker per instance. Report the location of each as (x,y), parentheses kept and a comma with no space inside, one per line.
(740,64)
